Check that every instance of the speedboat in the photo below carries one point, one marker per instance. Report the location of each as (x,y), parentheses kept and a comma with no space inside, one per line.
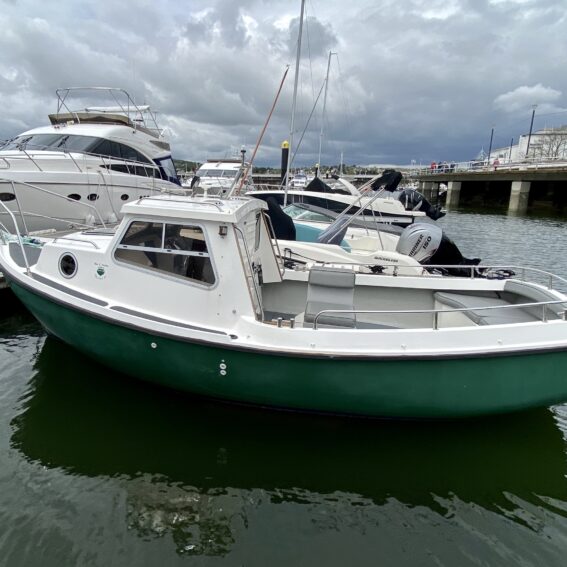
(379,199)
(86,164)
(226,319)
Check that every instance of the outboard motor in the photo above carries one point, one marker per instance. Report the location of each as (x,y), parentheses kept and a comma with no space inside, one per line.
(420,241)
(414,201)
(429,246)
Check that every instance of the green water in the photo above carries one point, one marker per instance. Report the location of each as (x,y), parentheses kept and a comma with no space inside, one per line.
(98,469)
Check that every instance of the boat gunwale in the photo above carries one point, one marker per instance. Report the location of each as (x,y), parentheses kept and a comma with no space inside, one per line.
(269,350)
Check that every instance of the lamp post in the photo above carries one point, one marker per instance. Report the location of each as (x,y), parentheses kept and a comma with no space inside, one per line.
(490,146)
(531,128)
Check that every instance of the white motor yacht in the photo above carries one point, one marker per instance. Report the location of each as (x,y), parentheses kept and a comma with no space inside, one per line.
(86,164)
(217,176)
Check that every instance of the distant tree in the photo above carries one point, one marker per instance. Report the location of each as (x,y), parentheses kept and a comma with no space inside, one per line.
(552,143)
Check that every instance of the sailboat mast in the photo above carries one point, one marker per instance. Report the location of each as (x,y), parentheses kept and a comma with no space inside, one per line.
(324,108)
(292,126)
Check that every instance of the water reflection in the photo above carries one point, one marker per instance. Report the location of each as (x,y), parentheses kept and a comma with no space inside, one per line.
(195,470)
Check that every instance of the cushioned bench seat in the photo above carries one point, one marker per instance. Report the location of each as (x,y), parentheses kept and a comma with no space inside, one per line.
(484,316)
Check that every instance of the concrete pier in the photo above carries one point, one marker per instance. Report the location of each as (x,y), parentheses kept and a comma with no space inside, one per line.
(510,184)
(453,194)
(426,188)
(519,195)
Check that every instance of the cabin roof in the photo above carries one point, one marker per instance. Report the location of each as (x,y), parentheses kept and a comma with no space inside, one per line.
(194,208)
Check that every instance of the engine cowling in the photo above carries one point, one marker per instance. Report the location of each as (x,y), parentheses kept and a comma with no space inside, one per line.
(420,241)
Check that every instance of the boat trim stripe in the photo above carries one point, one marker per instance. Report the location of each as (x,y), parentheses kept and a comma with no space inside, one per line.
(135,313)
(68,290)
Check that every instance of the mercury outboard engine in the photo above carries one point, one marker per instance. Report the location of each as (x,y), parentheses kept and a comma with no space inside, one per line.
(429,246)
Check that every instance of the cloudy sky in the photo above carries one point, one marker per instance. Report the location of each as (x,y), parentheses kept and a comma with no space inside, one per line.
(413,80)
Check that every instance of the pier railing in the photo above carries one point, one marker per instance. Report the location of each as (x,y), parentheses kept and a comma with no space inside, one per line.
(480,166)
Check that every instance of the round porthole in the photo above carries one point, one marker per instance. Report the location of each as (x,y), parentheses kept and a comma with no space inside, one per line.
(7,197)
(92,197)
(124,197)
(68,265)
(74,196)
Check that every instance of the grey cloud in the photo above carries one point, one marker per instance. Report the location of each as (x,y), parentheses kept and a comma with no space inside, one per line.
(318,38)
(418,79)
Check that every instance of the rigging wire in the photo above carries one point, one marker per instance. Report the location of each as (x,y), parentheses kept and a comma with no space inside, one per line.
(307,124)
(309,55)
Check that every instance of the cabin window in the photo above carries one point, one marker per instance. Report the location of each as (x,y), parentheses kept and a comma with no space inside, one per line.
(141,170)
(168,170)
(33,142)
(109,148)
(175,249)
(75,143)
(68,265)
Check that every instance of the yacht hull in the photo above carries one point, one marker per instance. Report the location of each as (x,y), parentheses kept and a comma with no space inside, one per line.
(416,387)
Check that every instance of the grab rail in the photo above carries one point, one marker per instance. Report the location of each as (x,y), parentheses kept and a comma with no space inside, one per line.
(473,270)
(254,282)
(436,312)
(275,245)
(76,240)
(112,160)
(47,191)
(20,241)
(193,201)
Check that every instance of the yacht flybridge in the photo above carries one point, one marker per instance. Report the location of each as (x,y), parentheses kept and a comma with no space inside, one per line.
(192,294)
(86,164)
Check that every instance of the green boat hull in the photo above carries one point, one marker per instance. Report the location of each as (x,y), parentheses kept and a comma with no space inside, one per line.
(402,388)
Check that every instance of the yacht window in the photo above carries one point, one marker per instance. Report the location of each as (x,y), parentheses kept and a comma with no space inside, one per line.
(115,150)
(208,173)
(147,171)
(300,213)
(175,249)
(168,169)
(229,173)
(132,154)
(141,170)
(33,142)
(75,143)
(108,148)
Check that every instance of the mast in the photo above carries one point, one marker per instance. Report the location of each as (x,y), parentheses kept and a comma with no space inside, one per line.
(324,106)
(292,126)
